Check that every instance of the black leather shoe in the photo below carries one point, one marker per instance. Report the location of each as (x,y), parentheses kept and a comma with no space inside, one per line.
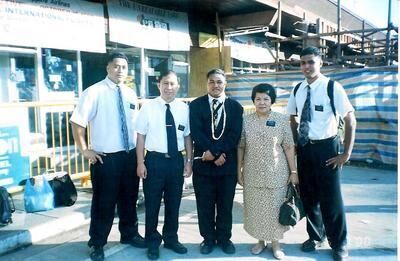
(176,247)
(227,247)
(206,247)
(136,241)
(311,245)
(340,254)
(153,253)
(96,253)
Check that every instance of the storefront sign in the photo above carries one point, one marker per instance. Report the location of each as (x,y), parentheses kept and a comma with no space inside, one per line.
(148,27)
(61,24)
(14,167)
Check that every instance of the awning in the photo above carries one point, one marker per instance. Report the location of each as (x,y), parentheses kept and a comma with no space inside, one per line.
(265,18)
(253,54)
(67,24)
(148,27)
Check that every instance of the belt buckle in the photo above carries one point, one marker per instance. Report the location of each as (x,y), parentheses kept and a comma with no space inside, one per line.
(167,155)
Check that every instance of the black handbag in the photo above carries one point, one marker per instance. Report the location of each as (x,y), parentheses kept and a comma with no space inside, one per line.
(64,191)
(291,211)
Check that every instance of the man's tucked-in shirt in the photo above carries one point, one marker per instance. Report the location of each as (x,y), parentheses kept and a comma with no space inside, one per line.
(151,122)
(323,124)
(98,108)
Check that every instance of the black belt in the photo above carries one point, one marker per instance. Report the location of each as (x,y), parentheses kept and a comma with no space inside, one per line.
(163,155)
(118,152)
(322,141)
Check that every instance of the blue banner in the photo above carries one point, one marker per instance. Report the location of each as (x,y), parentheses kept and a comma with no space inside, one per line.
(13,166)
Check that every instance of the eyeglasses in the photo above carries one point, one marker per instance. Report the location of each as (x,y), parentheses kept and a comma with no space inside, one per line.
(309,62)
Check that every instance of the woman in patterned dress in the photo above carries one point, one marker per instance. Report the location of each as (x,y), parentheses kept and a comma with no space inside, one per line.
(266,164)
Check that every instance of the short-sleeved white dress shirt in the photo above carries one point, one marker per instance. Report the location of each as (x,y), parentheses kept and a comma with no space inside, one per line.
(323,123)
(151,122)
(98,108)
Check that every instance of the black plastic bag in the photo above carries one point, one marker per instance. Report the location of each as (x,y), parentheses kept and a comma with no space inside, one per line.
(65,194)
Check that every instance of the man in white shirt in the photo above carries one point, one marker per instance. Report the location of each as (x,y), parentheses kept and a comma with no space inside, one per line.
(163,131)
(109,107)
(318,158)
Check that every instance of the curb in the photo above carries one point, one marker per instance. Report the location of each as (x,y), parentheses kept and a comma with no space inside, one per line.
(43,231)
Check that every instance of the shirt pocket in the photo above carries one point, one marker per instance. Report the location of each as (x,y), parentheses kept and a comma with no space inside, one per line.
(321,110)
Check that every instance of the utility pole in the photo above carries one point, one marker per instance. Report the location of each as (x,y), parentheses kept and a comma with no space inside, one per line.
(363,38)
(278,29)
(220,43)
(339,25)
(389,27)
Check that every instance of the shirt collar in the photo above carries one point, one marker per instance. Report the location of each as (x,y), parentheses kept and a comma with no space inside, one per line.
(220,99)
(162,102)
(321,79)
(111,84)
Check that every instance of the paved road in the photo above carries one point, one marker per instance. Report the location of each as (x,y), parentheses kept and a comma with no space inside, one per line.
(371,203)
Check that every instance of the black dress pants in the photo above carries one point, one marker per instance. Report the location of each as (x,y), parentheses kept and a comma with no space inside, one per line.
(114,183)
(215,193)
(164,180)
(321,193)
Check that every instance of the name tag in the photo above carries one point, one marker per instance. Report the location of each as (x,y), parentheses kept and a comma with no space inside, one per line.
(319,108)
(132,106)
(181,127)
(270,123)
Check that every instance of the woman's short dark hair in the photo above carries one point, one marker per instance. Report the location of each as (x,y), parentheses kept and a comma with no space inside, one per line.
(116,55)
(264,88)
(215,71)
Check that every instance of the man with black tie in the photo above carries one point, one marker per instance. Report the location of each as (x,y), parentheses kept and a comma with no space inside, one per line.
(163,130)
(109,107)
(216,125)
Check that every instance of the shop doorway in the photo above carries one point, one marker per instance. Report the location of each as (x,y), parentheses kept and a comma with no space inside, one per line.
(156,65)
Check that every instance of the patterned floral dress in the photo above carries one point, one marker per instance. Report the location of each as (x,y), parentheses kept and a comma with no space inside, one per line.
(265,173)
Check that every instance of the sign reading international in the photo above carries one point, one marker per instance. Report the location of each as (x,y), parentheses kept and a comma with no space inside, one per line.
(148,27)
(14,167)
(61,24)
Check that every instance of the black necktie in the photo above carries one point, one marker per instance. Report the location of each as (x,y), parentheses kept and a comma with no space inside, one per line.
(305,119)
(122,117)
(215,108)
(171,131)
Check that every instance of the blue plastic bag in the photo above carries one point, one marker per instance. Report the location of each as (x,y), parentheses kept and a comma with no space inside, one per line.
(38,196)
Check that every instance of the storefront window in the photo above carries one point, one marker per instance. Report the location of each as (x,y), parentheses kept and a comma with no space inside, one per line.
(60,71)
(175,62)
(18,84)
(17,77)
(133,79)
(181,67)
(155,67)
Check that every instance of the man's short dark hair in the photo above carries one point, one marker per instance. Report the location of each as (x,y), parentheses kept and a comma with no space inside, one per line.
(264,88)
(164,73)
(311,50)
(216,71)
(116,55)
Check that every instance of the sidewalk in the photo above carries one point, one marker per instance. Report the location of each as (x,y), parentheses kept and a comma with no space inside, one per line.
(370,197)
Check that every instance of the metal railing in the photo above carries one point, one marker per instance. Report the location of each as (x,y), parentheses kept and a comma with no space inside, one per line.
(46,137)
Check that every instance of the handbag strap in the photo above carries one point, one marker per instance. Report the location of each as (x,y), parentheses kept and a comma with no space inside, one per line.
(292,191)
